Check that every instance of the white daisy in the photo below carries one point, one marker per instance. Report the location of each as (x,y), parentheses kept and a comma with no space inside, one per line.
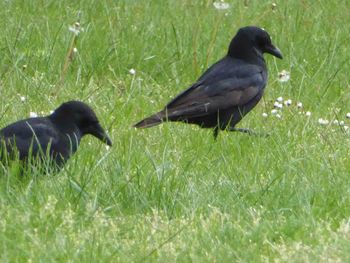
(278,105)
(221,5)
(323,121)
(288,102)
(283,76)
(279,99)
(33,114)
(274,112)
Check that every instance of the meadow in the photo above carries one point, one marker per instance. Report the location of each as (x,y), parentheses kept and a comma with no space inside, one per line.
(171,193)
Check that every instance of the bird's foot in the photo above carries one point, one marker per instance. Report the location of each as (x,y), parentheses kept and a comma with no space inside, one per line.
(244,130)
(248,131)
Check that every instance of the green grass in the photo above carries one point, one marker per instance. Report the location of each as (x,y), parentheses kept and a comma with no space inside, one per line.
(171,193)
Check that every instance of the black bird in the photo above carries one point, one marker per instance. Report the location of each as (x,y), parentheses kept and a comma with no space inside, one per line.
(228,90)
(55,137)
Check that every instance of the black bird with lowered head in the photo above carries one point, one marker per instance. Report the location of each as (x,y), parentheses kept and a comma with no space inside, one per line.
(228,90)
(55,137)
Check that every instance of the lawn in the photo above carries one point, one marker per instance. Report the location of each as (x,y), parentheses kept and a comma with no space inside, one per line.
(171,193)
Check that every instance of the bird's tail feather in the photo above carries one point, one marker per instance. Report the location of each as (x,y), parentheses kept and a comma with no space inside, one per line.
(150,121)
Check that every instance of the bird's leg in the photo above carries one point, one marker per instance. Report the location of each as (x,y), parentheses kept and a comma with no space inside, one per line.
(216,132)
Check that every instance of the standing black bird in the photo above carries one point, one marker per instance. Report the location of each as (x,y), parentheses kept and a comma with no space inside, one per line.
(228,90)
(55,137)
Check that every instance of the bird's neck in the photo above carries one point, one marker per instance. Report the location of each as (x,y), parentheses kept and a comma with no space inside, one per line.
(251,57)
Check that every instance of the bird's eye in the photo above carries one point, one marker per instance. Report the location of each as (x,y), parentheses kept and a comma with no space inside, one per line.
(90,122)
(94,122)
(261,41)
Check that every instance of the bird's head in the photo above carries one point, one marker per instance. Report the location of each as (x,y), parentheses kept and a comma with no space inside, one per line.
(79,114)
(252,40)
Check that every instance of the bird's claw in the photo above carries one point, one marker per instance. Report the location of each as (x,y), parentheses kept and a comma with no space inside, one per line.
(249,132)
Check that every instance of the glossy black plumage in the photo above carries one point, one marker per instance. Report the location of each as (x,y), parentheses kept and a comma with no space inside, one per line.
(56,136)
(228,90)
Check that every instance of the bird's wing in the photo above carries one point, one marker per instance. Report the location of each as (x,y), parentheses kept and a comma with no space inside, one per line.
(31,135)
(221,91)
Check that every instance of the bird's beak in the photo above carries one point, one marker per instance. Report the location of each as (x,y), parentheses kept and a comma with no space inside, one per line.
(274,51)
(100,133)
